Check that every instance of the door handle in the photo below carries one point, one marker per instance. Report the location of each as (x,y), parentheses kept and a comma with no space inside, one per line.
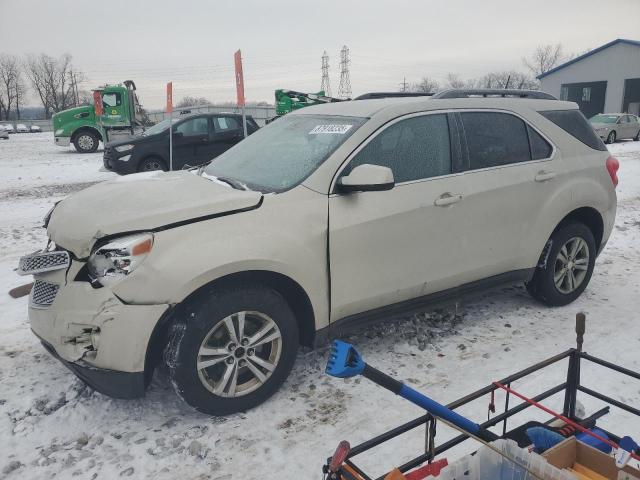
(447,199)
(544,175)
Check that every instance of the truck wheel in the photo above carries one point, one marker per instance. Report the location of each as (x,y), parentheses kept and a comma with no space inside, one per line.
(150,164)
(86,142)
(567,265)
(233,349)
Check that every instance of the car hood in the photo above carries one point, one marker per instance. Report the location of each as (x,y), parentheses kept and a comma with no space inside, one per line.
(131,139)
(141,202)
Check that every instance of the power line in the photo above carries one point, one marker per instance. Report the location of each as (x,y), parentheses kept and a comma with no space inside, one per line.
(325,86)
(345,83)
(404,86)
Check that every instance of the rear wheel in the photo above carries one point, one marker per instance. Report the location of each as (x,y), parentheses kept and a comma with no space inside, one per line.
(611,138)
(233,351)
(566,266)
(150,164)
(86,141)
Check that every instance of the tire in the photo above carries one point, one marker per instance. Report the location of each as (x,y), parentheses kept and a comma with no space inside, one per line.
(548,284)
(611,138)
(199,379)
(151,164)
(86,141)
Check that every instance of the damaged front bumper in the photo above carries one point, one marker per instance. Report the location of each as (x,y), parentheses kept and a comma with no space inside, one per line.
(96,335)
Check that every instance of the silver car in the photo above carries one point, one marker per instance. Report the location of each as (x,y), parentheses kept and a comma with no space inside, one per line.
(4,134)
(615,126)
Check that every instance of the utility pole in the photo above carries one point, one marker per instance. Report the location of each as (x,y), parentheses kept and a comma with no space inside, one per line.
(325,86)
(404,86)
(344,91)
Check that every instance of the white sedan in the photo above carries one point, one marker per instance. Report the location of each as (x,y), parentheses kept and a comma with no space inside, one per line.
(22,128)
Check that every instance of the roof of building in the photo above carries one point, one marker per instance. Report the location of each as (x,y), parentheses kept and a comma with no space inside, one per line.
(589,53)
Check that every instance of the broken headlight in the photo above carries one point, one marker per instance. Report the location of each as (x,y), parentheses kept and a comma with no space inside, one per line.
(112,262)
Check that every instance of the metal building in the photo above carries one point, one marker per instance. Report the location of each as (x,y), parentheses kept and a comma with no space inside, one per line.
(604,80)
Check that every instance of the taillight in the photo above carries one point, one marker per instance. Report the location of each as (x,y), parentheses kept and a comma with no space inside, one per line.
(613,165)
(339,456)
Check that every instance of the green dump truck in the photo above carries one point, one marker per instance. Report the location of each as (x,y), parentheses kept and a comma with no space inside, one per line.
(122,116)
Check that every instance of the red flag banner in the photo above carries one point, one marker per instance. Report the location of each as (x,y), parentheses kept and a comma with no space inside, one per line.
(239,78)
(97,103)
(169,97)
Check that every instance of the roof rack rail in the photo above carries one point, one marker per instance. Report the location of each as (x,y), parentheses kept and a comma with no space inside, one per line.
(493,92)
(373,95)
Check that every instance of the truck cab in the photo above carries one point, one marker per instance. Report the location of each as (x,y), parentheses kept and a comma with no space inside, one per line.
(121,116)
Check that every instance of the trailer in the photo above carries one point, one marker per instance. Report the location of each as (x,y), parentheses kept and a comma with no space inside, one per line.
(344,464)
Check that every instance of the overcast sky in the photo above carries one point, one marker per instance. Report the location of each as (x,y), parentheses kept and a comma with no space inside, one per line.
(192,41)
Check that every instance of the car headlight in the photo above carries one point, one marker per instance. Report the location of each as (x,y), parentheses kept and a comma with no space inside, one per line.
(124,148)
(59,132)
(112,262)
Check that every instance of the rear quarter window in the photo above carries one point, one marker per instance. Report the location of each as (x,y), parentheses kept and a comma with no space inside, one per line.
(575,124)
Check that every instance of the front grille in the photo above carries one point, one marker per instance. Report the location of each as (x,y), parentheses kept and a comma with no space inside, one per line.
(44,293)
(43,262)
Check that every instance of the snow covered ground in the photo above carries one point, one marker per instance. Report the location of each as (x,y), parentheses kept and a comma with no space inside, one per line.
(52,425)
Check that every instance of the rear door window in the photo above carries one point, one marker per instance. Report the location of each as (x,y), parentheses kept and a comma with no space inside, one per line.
(225,124)
(575,124)
(495,139)
(414,149)
(540,148)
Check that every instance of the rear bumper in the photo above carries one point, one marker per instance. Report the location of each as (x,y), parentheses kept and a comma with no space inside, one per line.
(62,141)
(109,382)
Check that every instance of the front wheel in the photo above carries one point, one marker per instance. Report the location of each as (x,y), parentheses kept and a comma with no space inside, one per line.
(611,138)
(151,164)
(86,142)
(233,349)
(566,266)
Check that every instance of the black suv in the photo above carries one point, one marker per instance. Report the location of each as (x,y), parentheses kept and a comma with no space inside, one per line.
(196,140)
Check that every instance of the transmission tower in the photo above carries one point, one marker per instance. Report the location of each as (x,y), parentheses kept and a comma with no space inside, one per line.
(325,86)
(345,83)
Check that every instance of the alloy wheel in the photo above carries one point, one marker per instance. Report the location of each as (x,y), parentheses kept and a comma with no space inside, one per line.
(571,265)
(239,354)
(151,165)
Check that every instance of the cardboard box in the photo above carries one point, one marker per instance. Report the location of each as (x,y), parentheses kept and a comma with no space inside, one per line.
(570,451)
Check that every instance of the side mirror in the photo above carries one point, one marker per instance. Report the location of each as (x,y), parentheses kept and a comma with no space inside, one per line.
(367,178)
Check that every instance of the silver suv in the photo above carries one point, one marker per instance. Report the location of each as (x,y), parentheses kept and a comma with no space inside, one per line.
(327,219)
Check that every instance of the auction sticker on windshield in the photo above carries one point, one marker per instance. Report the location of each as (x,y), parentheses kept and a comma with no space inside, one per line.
(337,129)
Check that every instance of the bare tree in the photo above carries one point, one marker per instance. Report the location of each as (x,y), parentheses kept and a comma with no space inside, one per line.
(11,85)
(54,81)
(193,102)
(544,58)
(453,80)
(507,79)
(426,85)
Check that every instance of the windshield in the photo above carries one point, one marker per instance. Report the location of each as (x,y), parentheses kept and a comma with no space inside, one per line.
(604,119)
(159,127)
(285,152)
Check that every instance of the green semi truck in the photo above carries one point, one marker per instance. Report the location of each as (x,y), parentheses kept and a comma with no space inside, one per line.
(289,100)
(122,116)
